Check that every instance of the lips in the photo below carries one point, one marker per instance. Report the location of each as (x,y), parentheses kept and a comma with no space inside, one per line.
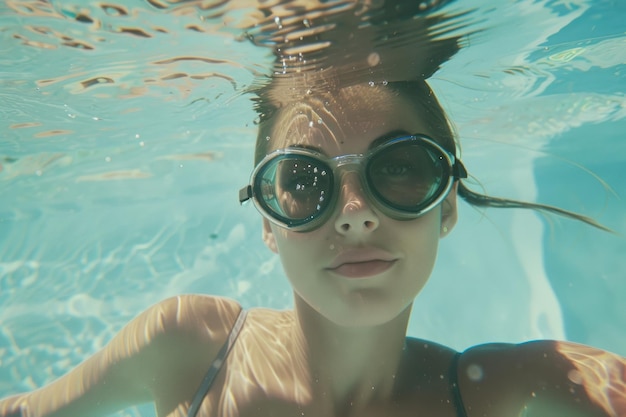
(363,269)
(362,263)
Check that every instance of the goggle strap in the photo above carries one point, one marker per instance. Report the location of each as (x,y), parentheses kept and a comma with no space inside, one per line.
(459,170)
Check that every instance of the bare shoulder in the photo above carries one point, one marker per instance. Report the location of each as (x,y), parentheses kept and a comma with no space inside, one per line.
(542,378)
(186,331)
(169,346)
(199,315)
(186,322)
(189,324)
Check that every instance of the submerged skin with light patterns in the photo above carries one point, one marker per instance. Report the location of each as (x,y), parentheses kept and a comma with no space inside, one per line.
(342,350)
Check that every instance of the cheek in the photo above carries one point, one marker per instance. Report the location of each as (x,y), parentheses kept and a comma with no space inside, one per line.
(419,239)
(296,250)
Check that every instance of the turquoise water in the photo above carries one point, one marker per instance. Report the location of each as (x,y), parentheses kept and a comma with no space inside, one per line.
(126,136)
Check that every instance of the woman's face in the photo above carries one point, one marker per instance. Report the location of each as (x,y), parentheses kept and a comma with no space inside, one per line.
(360,268)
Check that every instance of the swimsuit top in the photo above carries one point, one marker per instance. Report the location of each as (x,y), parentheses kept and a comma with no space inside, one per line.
(215,367)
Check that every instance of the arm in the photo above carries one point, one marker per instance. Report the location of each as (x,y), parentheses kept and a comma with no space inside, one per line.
(544,379)
(175,339)
(602,374)
(10,406)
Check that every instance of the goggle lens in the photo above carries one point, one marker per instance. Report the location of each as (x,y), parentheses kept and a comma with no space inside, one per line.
(296,188)
(407,176)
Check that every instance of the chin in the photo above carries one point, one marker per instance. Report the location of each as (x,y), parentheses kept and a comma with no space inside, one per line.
(366,314)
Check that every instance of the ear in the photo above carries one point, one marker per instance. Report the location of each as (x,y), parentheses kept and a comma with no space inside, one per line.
(449,214)
(268,236)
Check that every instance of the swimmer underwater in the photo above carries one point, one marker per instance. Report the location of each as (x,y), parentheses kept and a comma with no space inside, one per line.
(356,182)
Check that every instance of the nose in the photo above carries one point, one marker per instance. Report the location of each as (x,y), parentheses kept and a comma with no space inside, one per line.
(356,216)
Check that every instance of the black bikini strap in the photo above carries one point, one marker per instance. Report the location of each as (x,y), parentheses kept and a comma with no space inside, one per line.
(454,386)
(215,367)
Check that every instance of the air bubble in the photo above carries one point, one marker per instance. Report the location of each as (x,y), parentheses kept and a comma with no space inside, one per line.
(373,59)
(575,376)
(475,372)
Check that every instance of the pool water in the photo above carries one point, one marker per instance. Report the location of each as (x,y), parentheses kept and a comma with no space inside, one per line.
(126,132)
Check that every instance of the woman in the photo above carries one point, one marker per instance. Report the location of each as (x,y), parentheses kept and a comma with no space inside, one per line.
(356,254)
(357,182)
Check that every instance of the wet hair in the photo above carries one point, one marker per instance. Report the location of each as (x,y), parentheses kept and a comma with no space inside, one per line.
(268,102)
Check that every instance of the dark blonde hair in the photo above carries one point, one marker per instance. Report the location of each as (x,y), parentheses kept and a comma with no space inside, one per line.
(267,102)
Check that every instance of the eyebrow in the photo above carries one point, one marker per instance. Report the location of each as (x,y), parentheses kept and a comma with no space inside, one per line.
(306,147)
(394,134)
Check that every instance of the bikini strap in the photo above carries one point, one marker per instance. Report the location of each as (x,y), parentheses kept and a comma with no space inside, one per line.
(215,367)
(454,386)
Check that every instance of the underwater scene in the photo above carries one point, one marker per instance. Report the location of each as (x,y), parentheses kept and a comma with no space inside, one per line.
(128,128)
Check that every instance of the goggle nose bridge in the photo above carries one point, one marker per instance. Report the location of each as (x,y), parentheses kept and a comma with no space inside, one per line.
(349,159)
(350,163)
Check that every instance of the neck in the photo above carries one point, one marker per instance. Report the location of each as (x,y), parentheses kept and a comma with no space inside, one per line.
(349,366)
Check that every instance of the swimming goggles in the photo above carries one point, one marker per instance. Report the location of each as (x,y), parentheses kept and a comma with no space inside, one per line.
(404,178)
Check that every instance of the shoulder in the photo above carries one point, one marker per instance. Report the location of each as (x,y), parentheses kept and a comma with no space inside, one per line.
(542,378)
(186,323)
(193,313)
(185,320)
(182,336)
(181,319)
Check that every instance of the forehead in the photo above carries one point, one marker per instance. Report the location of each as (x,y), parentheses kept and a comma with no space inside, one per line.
(346,121)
